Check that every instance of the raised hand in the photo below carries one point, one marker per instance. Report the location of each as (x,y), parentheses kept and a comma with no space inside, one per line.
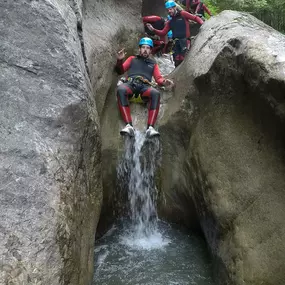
(150,27)
(168,83)
(121,54)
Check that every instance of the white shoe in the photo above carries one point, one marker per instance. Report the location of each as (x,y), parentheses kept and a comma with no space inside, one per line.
(128,130)
(151,132)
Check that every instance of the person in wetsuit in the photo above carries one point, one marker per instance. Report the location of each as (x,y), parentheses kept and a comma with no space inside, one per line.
(162,44)
(196,7)
(159,42)
(140,70)
(180,29)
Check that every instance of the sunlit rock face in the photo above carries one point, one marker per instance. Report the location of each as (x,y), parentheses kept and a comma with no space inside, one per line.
(223,147)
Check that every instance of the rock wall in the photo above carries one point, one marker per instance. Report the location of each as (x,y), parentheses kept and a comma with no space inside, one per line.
(154,7)
(223,135)
(107,27)
(57,60)
(50,170)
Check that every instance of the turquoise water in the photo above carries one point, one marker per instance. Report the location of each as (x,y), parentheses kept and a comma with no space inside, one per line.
(166,257)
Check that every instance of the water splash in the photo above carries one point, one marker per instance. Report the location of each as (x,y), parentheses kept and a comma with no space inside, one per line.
(137,172)
(166,64)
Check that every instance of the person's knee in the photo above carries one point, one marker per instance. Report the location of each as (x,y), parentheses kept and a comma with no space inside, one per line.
(122,94)
(155,98)
(122,89)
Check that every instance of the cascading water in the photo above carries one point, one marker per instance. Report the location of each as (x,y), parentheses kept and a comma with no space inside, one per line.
(143,249)
(139,164)
(142,189)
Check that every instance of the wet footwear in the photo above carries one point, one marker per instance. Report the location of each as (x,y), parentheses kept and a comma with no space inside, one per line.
(151,132)
(128,130)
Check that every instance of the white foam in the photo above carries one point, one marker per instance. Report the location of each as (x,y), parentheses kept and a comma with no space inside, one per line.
(101,258)
(145,242)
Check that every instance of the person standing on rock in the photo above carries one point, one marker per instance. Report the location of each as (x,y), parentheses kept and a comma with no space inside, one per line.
(141,69)
(180,29)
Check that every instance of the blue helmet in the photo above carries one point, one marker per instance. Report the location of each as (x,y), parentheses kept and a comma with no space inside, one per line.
(169,34)
(146,41)
(170,4)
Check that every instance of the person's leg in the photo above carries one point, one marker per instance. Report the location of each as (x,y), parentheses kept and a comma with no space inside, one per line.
(123,92)
(152,96)
(176,53)
(184,46)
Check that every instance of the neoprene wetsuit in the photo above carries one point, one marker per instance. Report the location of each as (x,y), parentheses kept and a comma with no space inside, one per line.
(139,67)
(181,33)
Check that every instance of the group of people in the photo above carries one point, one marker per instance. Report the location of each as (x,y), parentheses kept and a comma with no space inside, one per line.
(196,7)
(176,29)
(141,68)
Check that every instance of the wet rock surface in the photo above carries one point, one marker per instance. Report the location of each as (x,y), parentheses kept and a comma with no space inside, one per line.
(223,147)
(57,60)
(108,27)
(50,147)
(222,136)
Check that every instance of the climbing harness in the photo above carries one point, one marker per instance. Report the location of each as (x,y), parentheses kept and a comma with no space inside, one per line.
(140,80)
(136,98)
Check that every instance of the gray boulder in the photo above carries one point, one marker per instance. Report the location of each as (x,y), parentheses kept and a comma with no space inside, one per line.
(223,147)
(52,77)
(51,186)
(50,147)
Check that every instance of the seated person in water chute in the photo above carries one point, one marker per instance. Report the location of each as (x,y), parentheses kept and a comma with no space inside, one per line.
(140,70)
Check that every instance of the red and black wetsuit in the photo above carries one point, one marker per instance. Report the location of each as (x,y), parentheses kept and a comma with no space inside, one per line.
(138,66)
(196,7)
(158,23)
(181,33)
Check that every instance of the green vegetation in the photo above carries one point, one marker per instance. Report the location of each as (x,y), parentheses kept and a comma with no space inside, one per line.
(272,12)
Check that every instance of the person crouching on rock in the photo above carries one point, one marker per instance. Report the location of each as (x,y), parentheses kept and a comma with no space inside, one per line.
(180,29)
(198,8)
(158,42)
(141,69)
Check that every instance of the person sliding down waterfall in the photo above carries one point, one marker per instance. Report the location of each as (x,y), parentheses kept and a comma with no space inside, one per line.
(180,29)
(141,69)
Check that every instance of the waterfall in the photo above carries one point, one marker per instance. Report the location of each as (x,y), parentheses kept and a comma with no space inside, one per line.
(143,249)
(137,171)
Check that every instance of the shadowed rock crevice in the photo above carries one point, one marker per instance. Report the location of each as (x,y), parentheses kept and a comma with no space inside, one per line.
(77,7)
